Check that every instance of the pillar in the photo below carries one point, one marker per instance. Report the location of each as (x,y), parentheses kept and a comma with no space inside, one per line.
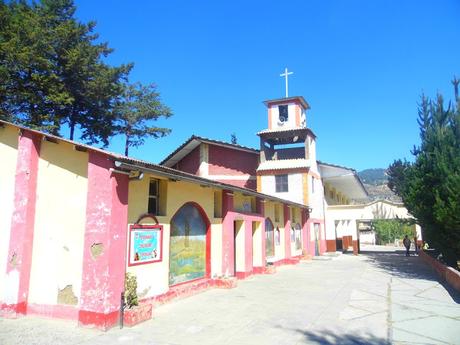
(104,252)
(228,253)
(22,226)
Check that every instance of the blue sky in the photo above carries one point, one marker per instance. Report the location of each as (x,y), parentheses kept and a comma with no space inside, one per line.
(361,65)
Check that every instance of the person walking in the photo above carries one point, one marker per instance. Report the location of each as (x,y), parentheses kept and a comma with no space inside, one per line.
(406,243)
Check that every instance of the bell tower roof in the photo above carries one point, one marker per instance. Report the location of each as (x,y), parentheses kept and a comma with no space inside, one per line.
(294,99)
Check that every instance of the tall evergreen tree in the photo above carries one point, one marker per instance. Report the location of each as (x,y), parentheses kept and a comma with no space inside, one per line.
(136,111)
(430,187)
(54,72)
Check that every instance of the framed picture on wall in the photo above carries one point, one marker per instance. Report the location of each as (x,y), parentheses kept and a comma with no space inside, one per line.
(145,244)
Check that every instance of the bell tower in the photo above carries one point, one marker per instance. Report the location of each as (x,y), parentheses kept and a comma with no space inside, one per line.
(287,151)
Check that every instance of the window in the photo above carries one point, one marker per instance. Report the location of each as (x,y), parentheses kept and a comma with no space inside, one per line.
(153,197)
(277,237)
(281,182)
(283,113)
(292,235)
(312,185)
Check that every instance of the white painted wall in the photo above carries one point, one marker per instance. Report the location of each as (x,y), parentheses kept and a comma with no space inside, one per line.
(8,154)
(290,123)
(295,192)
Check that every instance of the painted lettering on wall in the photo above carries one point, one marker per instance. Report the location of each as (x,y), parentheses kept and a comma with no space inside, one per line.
(145,244)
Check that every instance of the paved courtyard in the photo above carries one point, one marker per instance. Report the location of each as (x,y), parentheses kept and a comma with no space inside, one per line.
(375,298)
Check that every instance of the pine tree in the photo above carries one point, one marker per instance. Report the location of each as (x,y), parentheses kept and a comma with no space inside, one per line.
(136,111)
(53,71)
(430,186)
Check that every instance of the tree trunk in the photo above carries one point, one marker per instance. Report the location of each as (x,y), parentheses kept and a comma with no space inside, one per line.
(126,145)
(72,128)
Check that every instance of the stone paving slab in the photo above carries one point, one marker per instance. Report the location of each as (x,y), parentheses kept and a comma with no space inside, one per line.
(375,298)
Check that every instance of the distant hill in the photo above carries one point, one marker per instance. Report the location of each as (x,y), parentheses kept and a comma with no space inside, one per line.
(375,177)
(375,181)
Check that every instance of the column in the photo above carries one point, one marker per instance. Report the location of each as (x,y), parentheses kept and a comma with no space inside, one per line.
(228,245)
(104,251)
(22,226)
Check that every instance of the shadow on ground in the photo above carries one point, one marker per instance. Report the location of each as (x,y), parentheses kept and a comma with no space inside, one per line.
(412,267)
(325,337)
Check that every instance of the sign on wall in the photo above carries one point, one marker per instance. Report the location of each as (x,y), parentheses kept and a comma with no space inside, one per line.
(145,244)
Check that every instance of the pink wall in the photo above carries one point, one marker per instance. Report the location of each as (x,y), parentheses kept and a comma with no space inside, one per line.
(22,224)
(226,161)
(104,250)
(322,241)
(228,240)
(190,163)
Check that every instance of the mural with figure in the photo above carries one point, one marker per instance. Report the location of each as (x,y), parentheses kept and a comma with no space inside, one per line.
(187,251)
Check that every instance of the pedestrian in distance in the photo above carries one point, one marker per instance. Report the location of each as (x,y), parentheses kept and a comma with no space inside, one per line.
(406,243)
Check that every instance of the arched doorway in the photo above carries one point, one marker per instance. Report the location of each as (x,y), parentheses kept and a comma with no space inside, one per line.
(269,238)
(189,245)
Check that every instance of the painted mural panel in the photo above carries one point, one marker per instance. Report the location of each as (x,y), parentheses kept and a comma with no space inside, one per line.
(187,253)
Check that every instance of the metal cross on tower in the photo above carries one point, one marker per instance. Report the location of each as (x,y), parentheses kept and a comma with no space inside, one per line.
(285,75)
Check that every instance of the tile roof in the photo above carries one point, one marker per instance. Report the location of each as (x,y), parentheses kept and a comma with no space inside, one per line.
(284,164)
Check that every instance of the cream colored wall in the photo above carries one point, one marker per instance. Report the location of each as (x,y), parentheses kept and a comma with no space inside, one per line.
(153,278)
(8,157)
(242,203)
(240,246)
(59,222)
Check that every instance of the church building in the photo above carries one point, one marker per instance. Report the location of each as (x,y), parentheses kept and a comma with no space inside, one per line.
(75,219)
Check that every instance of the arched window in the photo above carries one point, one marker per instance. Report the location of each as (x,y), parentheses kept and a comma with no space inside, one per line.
(269,239)
(277,237)
(187,245)
(298,236)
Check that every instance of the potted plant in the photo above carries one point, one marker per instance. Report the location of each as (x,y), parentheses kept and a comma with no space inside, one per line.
(133,312)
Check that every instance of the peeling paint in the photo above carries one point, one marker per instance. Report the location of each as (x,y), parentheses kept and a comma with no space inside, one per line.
(14,260)
(96,250)
(66,296)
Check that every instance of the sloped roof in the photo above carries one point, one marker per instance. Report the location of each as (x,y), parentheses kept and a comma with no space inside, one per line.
(193,142)
(122,161)
(284,164)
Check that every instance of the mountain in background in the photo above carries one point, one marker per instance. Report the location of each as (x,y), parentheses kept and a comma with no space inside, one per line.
(375,181)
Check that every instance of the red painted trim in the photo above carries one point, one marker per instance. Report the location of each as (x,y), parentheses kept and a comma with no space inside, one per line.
(23,218)
(99,320)
(11,311)
(134,227)
(208,235)
(180,290)
(243,275)
(145,216)
(58,311)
